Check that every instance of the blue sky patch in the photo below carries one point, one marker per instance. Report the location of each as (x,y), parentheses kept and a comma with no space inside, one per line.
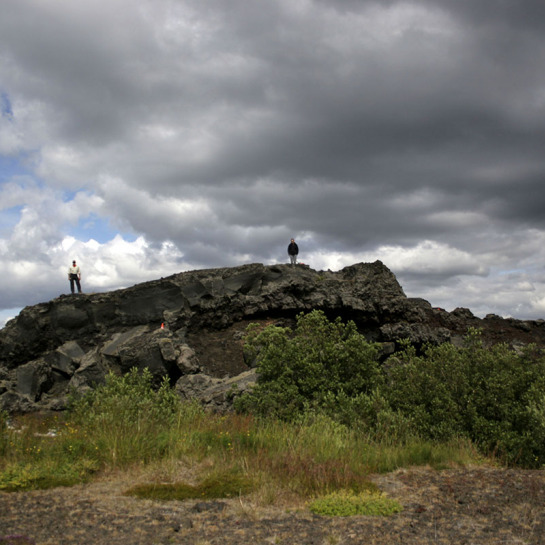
(9,219)
(99,229)
(11,167)
(5,106)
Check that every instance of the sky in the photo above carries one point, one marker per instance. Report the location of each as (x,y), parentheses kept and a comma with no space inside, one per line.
(149,137)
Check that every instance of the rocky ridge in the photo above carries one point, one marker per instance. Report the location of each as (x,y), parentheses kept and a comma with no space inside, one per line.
(190,326)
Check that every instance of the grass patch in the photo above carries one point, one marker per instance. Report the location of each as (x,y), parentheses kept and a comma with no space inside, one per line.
(226,485)
(346,503)
(127,426)
(47,474)
(303,474)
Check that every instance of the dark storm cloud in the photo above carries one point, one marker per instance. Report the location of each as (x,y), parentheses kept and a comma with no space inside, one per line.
(407,131)
(525,15)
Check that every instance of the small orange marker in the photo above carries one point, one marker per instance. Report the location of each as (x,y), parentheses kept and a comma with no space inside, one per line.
(162,325)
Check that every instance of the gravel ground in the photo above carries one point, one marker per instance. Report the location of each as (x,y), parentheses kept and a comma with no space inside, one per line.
(470,506)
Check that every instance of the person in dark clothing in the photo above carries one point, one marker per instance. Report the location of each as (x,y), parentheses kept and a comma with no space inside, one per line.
(293,251)
(74,275)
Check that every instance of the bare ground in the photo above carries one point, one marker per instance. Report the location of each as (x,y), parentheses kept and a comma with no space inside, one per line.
(473,506)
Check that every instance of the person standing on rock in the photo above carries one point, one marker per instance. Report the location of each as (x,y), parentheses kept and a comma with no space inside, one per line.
(74,275)
(293,252)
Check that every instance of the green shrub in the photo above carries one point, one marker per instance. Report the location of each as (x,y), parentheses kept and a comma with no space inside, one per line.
(429,390)
(493,396)
(301,370)
(129,397)
(125,419)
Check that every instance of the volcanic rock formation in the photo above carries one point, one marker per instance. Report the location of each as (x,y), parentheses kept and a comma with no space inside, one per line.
(190,327)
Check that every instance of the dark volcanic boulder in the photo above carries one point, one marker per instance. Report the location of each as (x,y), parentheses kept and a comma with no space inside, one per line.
(190,326)
(215,393)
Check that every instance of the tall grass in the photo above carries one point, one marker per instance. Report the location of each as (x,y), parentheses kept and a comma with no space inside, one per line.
(125,424)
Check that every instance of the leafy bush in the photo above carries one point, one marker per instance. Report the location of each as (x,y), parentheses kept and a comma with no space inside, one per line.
(429,390)
(491,396)
(309,367)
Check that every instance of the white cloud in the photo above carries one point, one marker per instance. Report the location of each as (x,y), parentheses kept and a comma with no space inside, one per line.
(431,258)
(10,138)
(120,263)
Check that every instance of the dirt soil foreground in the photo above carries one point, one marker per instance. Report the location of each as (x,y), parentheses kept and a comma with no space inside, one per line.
(470,506)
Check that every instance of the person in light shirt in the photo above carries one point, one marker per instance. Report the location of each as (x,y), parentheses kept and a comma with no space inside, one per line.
(74,275)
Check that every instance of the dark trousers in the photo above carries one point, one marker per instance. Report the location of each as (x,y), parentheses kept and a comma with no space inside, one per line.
(74,278)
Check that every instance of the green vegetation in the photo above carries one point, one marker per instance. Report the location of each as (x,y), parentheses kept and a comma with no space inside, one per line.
(45,474)
(493,397)
(325,414)
(228,485)
(346,503)
(323,365)
(125,425)
(125,420)
(31,458)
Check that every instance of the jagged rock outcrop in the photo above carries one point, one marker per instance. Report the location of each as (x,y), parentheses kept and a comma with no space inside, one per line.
(190,326)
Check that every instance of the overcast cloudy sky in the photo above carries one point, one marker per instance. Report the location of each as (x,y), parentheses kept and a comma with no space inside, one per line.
(148,137)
